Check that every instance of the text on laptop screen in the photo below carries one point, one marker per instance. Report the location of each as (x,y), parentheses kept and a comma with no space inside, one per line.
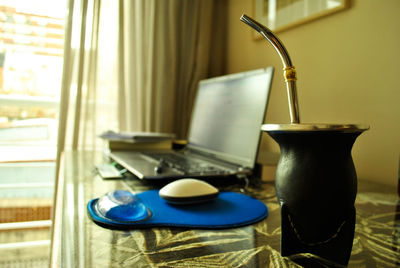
(228,113)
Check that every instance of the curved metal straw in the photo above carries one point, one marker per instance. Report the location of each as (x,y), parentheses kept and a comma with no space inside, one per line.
(289,71)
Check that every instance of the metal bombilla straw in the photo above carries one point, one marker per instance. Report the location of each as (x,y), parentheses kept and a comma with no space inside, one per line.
(289,71)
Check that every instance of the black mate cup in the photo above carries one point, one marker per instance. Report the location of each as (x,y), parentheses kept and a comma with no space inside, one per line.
(315,181)
(316,187)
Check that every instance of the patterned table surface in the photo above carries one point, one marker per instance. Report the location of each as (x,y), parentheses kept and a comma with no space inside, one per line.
(79,242)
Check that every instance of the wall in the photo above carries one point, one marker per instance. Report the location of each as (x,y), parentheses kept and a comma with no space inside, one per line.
(348,72)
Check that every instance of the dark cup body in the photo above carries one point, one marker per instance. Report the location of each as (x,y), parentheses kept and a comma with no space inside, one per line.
(316,186)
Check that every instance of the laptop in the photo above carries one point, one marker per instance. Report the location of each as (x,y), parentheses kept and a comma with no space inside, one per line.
(224,132)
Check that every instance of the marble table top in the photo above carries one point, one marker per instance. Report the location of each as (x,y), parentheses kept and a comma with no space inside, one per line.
(79,242)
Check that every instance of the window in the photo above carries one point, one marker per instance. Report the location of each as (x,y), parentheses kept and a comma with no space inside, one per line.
(31,56)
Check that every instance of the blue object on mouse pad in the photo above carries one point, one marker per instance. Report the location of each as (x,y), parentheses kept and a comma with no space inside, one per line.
(228,210)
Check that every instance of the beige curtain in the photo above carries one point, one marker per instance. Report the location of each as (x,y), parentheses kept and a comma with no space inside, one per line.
(164,50)
(134,65)
(89,85)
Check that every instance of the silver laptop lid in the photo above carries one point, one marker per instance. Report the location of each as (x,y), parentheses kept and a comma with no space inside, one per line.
(227,116)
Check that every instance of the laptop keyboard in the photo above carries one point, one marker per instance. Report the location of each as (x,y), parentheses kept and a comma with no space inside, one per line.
(187,165)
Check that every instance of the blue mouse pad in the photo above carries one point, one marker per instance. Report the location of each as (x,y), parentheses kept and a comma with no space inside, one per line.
(228,210)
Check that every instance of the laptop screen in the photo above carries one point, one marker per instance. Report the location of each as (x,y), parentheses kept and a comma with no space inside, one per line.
(227,116)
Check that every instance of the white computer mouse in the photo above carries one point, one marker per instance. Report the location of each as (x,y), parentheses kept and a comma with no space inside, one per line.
(188,191)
